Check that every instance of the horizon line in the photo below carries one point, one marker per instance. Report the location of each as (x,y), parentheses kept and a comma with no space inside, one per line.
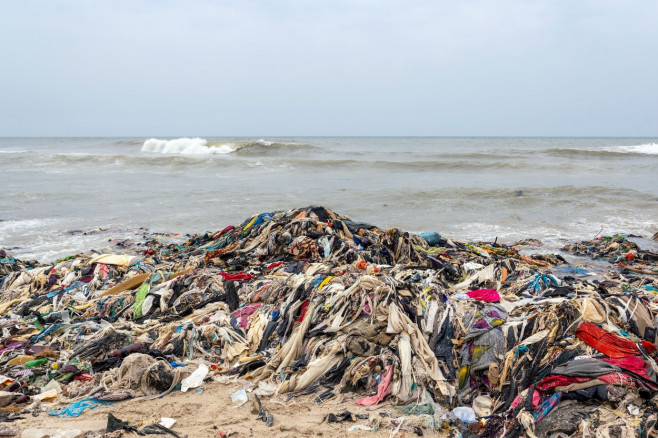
(323,136)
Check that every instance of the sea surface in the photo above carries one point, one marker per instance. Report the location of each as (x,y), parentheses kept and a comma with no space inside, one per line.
(60,196)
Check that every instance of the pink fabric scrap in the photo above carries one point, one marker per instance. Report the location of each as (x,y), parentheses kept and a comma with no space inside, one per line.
(383,389)
(536,399)
(488,295)
(619,379)
(244,312)
(102,270)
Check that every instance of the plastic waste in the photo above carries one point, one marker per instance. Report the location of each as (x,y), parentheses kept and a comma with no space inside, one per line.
(48,395)
(52,385)
(239,397)
(36,363)
(465,414)
(167,422)
(265,389)
(472,266)
(432,238)
(195,379)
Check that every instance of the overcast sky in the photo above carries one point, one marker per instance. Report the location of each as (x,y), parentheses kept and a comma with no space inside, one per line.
(334,67)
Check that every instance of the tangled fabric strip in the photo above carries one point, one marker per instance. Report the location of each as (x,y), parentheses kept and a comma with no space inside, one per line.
(77,408)
(610,344)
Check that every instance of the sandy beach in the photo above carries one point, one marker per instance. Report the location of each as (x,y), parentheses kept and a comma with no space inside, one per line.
(210,413)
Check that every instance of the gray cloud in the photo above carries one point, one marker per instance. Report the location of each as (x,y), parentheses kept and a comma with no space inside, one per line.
(292,67)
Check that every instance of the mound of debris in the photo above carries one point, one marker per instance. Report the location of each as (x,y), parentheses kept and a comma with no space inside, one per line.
(469,338)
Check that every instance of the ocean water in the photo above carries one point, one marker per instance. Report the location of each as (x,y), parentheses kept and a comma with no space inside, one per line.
(63,195)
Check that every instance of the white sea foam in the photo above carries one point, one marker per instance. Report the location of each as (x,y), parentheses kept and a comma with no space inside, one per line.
(648,148)
(553,236)
(186,146)
(198,146)
(13,227)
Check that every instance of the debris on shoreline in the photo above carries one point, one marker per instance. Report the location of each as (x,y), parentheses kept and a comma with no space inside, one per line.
(465,338)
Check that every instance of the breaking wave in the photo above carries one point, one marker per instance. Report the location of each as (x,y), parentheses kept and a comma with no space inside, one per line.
(201,146)
(649,148)
(186,146)
(613,151)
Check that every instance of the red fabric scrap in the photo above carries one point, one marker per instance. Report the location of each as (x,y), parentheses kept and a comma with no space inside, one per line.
(239,276)
(551,382)
(536,399)
(619,379)
(608,343)
(83,377)
(633,364)
(303,312)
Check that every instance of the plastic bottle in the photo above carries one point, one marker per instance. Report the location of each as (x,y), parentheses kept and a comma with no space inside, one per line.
(36,362)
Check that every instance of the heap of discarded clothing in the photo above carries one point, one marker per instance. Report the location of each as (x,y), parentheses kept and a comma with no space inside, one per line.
(469,338)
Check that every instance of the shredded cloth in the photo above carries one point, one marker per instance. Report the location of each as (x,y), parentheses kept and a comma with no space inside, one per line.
(77,408)
(307,303)
(609,344)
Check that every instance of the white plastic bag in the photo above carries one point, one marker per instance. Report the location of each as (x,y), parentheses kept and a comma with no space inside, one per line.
(195,379)
(464,413)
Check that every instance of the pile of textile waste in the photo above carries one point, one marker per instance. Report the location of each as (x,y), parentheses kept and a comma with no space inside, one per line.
(468,338)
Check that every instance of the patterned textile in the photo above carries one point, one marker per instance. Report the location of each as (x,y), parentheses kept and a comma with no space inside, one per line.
(483,345)
(304,246)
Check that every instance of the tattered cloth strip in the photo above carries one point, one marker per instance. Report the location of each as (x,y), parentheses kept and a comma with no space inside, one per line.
(77,408)
(610,344)
(114,396)
(383,389)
